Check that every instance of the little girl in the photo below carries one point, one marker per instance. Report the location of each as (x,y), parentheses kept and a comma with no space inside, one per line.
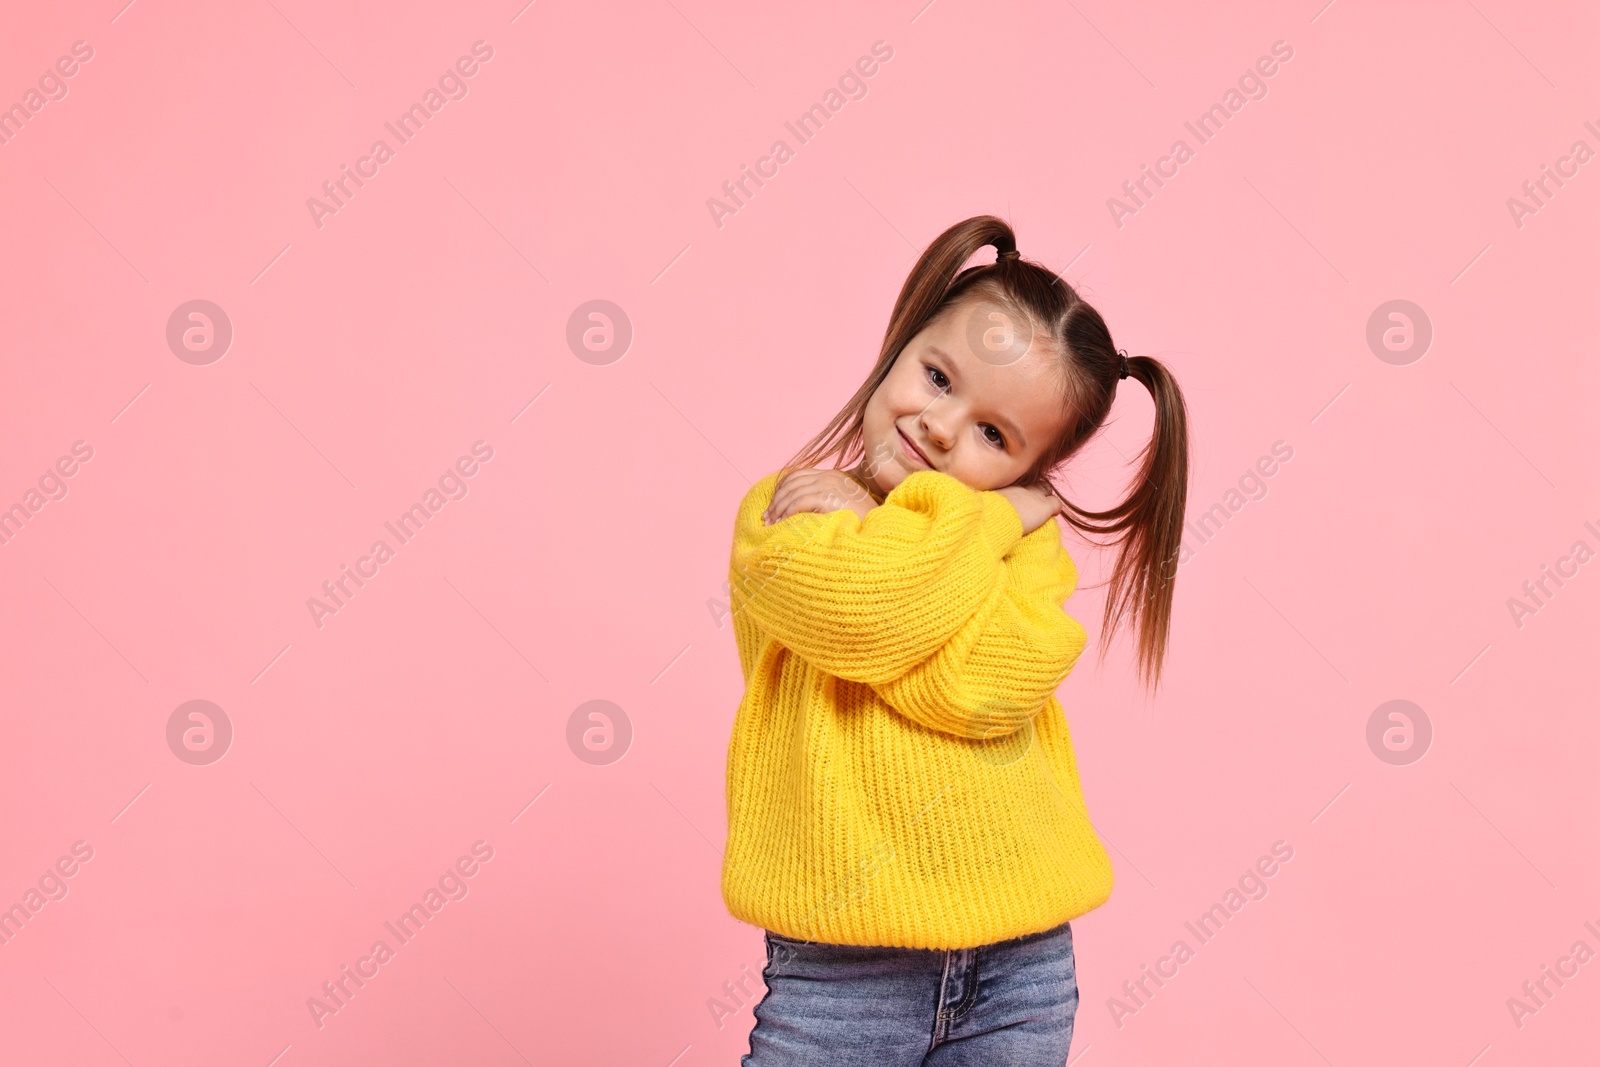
(904,813)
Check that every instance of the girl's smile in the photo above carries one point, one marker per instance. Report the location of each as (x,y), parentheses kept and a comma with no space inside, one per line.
(913,450)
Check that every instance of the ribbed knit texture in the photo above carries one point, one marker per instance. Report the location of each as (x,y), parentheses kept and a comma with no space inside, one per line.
(900,772)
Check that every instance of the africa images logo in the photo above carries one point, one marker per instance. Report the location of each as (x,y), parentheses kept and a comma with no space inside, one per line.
(452,85)
(337,993)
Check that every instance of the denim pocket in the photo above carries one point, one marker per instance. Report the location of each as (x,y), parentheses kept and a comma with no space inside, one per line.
(781,952)
(782,949)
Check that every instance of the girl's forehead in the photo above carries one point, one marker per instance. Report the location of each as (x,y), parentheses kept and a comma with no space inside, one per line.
(993,328)
(980,335)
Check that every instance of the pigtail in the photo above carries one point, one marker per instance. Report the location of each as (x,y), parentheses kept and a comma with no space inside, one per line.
(1151,519)
(930,287)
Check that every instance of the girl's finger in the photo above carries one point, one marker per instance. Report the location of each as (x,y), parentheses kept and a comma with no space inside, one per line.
(775,509)
(802,500)
(782,502)
(807,489)
(816,498)
(783,499)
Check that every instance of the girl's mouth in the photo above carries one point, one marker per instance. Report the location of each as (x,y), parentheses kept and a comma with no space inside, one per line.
(910,448)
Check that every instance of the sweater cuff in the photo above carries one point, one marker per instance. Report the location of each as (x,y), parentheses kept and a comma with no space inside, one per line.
(1000,524)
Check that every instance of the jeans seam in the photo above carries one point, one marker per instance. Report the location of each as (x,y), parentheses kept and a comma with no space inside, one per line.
(938,1006)
(972,988)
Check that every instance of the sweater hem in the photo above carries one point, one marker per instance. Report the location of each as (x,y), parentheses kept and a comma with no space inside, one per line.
(894,934)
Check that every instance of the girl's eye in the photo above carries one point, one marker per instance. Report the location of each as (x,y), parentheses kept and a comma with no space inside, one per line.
(1001,441)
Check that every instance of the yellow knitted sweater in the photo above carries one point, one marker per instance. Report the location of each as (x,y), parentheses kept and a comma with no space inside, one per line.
(900,772)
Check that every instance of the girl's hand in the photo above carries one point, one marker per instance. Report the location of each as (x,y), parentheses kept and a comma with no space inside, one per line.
(817,489)
(1035,504)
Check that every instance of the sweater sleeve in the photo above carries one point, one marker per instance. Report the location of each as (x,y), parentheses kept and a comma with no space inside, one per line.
(1005,662)
(870,599)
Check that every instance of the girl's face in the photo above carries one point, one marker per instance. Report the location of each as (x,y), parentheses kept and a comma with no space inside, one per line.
(970,396)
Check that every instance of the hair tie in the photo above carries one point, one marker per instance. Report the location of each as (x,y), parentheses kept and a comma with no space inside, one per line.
(1122,371)
(1010,253)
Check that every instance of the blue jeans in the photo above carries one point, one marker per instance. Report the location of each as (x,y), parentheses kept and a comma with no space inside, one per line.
(1007,1004)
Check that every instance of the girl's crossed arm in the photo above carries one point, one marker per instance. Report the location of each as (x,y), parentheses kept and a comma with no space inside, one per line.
(998,670)
(936,599)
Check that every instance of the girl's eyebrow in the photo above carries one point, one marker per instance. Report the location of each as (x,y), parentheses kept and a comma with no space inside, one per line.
(1002,421)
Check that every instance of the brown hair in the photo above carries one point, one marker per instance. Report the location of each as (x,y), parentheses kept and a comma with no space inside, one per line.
(1150,520)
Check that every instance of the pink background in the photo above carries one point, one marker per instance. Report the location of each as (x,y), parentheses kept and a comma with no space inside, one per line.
(587,561)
